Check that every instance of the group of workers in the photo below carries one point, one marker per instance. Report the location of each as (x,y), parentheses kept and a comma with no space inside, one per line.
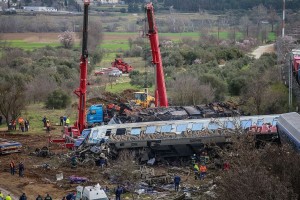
(63,121)
(7,197)
(23,124)
(199,165)
(24,197)
(13,168)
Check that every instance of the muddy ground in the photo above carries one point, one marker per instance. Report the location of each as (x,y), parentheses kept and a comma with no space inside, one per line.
(39,180)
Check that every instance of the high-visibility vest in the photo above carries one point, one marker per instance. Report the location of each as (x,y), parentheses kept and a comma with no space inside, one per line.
(196,167)
(7,198)
(67,121)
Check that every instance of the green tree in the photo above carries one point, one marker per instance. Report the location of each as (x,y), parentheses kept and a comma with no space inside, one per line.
(12,94)
(58,100)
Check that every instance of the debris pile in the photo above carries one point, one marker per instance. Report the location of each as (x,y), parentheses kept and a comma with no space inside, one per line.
(212,110)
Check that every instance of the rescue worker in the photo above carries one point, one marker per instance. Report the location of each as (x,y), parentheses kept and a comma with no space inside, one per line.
(23,197)
(21,123)
(71,196)
(196,170)
(203,171)
(12,167)
(8,197)
(67,121)
(61,120)
(73,162)
(39,197)
(26,125)
(1,195)
(177,180)
(202,158)
(48,126)
(102,160)
(21,169)
(226,166)
(44,121)
(48,197)
(193,159)
(119,191)
(22,126)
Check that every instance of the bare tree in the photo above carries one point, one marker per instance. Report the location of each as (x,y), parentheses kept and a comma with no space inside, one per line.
(67,39)
(188,90)
(245,23)
(95,35)
(259,13)
(273,17)
(40,87)
(251,174)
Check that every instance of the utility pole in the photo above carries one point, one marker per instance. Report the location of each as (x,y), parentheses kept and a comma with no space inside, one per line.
(283,17)
(290,81)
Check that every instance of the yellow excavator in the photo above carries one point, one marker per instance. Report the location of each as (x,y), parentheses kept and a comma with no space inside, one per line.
(143,99)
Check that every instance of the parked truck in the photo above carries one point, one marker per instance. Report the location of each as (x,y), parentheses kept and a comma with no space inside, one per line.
(122,66)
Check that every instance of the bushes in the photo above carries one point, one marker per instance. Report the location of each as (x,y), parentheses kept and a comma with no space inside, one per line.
(58,100)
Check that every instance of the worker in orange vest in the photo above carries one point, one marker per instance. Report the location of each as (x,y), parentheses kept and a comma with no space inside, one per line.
(203,171)
(12,167)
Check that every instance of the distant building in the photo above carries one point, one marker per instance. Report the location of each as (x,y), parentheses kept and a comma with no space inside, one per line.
(39,9)
(109,1)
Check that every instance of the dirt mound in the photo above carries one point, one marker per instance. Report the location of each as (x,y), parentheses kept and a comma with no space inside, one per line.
(108,97)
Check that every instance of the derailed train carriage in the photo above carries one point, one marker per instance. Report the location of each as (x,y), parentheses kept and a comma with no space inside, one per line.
(177,137)
(288,128)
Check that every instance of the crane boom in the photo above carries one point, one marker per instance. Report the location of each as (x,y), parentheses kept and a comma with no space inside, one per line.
(160,90)
(81,91)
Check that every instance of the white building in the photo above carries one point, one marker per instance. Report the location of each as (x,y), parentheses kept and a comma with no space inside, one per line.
(109,1)
(39,9)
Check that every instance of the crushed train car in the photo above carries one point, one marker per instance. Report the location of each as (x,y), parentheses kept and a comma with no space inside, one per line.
(9,146)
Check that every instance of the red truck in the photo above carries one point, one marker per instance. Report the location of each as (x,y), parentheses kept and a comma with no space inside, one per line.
(122,66)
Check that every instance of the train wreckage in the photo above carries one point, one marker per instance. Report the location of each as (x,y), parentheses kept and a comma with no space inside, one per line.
(176,138)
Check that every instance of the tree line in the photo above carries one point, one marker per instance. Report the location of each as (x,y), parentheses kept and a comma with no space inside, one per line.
(47,75)
(209,70)
(220,5)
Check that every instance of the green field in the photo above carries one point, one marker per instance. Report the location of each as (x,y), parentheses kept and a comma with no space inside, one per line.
(30,45)
(115,45)
(119,87)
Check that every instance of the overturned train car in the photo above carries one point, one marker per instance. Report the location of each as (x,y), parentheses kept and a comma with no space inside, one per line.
(177,137)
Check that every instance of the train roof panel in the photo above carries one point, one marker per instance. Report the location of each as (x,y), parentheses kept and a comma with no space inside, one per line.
(191,110)
(291,122)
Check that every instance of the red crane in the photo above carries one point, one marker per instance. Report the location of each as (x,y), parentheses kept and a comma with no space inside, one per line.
(81,91)
(160,90)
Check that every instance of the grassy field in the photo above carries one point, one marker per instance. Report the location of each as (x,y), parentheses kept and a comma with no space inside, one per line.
(35,113)
(30,45)
(115,45)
